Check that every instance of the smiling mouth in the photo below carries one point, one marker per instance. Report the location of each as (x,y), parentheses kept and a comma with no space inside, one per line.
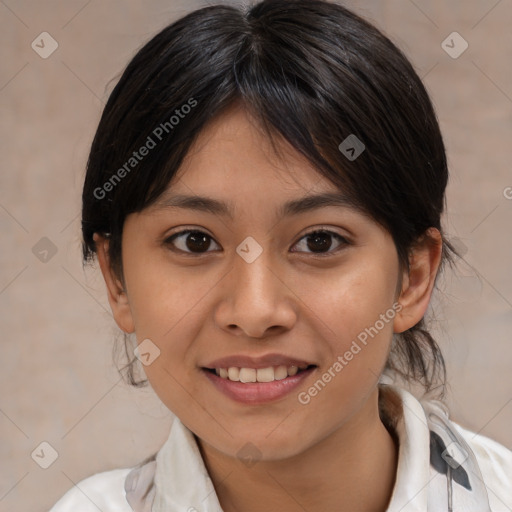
(248,375)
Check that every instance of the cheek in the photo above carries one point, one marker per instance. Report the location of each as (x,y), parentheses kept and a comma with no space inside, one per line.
(355,343)
(352,312)
(166,308)
(161,295)
(172,321)
(366,310)
(350,299)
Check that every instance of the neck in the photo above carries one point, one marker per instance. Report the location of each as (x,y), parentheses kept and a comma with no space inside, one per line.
(334,474)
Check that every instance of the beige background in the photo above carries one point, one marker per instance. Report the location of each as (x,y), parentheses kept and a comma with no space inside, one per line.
(57,377)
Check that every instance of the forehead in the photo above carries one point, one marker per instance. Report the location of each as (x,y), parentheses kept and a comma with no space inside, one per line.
(232,156)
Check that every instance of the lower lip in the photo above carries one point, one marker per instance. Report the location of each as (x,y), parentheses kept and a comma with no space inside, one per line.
(258,392)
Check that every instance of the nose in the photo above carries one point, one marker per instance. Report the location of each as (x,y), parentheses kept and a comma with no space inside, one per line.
(256,300)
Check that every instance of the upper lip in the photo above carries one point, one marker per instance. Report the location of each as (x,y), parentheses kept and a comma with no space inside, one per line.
(243,361)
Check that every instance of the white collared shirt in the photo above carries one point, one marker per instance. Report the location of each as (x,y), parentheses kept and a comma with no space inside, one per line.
(178,481)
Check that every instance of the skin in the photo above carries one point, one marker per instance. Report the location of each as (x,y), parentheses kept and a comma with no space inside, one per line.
(318,457)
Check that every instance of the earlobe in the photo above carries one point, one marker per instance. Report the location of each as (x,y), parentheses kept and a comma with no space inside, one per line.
(418,281)
(117,296)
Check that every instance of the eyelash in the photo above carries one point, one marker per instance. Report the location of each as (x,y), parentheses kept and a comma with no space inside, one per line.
(342,241)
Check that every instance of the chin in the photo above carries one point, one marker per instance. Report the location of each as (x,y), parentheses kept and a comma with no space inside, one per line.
(273,447)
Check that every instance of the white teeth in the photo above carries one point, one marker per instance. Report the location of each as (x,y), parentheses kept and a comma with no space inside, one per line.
(292,370)
(265,374)
(247,375)
(234,373)
(281,372)
(258,375)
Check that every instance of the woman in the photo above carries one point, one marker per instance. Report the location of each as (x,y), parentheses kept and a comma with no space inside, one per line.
(264,196)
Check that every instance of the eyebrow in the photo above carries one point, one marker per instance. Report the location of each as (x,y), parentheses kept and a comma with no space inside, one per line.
(293,207)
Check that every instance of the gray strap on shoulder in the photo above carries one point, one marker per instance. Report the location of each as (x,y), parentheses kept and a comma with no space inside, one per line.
(452,457)
(140,487)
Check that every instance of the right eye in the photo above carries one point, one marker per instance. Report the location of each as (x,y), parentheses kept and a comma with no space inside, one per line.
(190,241)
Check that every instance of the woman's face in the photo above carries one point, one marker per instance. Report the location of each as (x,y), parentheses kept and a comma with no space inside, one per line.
(254,284)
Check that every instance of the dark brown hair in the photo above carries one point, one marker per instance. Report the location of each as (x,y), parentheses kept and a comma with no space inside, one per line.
(310,71)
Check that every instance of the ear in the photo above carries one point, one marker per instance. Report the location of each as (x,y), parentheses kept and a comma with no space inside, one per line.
(117,297)
(418,282)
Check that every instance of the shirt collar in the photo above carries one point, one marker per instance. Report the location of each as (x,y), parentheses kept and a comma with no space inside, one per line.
(410,492)
(182,481)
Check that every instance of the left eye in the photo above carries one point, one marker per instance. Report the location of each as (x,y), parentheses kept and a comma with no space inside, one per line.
(197,242)
(320,241)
